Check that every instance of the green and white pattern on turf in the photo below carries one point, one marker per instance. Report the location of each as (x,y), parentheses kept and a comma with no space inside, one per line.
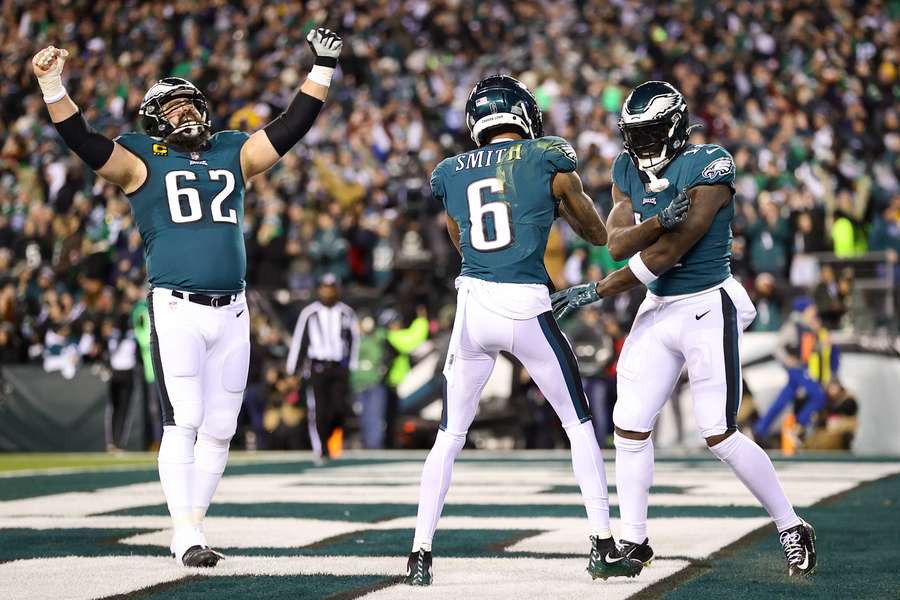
(513,527)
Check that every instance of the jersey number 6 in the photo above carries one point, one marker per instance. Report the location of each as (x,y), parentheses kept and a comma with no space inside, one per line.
(482,215)
(175,194)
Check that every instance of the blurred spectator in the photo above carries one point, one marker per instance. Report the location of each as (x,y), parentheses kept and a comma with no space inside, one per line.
(830,298)
(835,426)
(768,300)
(806,352)
(401,342)
(121,359)
(768,234)
(368,383)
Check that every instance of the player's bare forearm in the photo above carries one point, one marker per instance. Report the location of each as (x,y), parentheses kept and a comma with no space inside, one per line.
(62,109)
(453,230)
(664,253)
(626,238)
(316,90)
(577,208)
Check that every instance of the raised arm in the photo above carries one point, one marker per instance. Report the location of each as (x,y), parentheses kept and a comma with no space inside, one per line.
(110,160)
(266,147)
(625,237)
(577,208)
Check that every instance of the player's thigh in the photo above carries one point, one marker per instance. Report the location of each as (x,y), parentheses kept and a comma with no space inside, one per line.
(711,346)
(466,370)
(225,375)
(178,352)
(646,372)
(547,356)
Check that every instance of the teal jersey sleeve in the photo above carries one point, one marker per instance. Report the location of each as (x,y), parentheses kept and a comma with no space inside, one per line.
(620,171)
(712,165)
(438,189)
(559,155)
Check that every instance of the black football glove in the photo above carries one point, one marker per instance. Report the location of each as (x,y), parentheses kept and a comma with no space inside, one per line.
(676,212)
(567,301)
(326,45)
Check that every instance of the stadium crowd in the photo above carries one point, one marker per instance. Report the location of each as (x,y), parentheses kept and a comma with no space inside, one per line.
(805,99)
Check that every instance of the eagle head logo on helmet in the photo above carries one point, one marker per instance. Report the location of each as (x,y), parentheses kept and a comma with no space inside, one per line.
(163,101)
(501,103)
(654,124)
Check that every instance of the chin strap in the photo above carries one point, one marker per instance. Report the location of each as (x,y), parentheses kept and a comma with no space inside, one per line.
(656,184)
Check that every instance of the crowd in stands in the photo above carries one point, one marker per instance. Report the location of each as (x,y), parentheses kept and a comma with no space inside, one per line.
(802,94)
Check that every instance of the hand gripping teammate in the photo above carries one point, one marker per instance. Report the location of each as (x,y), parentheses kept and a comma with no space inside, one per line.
(694,312)
(186,185)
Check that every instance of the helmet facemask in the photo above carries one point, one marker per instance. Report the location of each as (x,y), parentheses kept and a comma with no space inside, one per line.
(163,116)
(655,135)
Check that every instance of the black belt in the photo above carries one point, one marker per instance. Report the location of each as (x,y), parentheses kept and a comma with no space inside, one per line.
(214,301)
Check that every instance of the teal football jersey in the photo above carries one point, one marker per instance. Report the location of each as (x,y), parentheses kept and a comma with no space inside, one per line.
(190,212)
(500,196)
(708,262)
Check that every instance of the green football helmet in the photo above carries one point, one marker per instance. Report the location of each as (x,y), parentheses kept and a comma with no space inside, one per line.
(654,124)
(502,102)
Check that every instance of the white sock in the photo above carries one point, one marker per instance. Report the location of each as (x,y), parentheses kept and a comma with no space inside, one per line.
(755,470)
(436,475)
(587,462)
(210,457)
(176,472)
(634,475)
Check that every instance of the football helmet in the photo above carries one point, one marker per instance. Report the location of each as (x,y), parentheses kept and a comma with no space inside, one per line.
(654,124)
(153,116)
(501,101)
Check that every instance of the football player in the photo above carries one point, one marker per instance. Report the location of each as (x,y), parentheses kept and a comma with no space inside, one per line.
(694,312)
(186,185)
(501,199)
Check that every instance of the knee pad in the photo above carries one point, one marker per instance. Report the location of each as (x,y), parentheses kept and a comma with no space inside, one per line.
(188,415)
(452,442)
(177,445)
(220,423)
(211,453)
(235,368)
(624,444)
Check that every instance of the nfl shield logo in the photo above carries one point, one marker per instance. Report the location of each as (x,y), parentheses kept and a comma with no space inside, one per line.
(195,156)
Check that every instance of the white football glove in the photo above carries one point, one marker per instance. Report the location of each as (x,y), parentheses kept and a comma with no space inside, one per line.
(326,45)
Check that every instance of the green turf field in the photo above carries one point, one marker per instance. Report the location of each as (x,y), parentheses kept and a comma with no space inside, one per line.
(95,526)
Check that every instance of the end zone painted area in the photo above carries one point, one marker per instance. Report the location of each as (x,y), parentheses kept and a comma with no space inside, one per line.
(514,527)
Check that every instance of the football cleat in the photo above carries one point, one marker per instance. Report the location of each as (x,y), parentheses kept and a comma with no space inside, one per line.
(641,552)
(607,560)
(418,568)
(799,545)
(201,556)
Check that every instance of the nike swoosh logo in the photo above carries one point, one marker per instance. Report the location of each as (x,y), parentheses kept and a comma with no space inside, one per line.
(802,566)
(607,559)
(239,314)
(698,317)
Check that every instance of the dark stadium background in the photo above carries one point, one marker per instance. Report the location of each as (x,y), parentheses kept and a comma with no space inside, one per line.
(804,95)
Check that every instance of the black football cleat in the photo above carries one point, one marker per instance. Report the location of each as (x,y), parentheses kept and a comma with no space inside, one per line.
(201,556)
(418,568)
(607,560)
(799,545)
(641,552)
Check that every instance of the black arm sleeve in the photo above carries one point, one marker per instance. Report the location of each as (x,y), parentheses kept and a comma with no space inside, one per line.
(90,146)
(291,125)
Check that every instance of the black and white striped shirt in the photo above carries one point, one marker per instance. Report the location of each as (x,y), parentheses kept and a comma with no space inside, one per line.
(324,333)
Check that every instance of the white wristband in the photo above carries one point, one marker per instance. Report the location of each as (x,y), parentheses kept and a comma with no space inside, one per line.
(321,75)
(52,88)
(640,270)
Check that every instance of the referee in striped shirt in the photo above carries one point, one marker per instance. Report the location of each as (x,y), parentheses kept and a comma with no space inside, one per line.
(324,349)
